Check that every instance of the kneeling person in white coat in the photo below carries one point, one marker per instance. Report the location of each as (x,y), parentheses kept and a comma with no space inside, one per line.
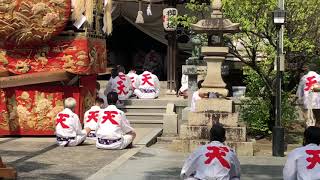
(114,130)
(68,127)
(149,87)
(91,117)
(212,161)
(303,163)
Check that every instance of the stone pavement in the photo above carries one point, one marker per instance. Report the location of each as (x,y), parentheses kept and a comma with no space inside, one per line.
(157,162)
(40,158)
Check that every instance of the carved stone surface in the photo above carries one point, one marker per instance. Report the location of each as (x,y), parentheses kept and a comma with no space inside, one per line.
(203,132)
(31,22)
(216,104)
(209,118)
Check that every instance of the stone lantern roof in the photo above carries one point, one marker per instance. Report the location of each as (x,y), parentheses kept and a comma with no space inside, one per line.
(217,24)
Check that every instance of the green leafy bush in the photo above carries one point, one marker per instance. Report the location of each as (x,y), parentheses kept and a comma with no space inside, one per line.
(256,109)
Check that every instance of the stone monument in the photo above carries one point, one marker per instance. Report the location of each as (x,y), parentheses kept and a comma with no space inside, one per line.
(214,110)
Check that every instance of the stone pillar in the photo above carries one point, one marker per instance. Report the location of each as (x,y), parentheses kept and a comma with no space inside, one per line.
(191,72)
(214,56)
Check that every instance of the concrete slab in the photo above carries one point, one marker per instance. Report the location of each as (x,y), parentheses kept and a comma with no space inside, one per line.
(157,162)
(40,158)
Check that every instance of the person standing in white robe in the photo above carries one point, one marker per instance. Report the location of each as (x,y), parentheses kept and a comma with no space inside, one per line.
(212,161)
(149,87)
(303,163)
(309,98)
(121,84)
(113,130)
(68,127)
(91,118)
(183,91)
(195,97)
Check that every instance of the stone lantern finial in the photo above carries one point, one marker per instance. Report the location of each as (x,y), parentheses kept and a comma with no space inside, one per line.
(217,7)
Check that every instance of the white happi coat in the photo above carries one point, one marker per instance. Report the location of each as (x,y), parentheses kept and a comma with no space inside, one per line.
(303,163)
(68,126)
(121,85)
(113,125)
(149,87)
(195,97)
(134,79)
(91,118)
(310,99)
(184,83)
(212,161)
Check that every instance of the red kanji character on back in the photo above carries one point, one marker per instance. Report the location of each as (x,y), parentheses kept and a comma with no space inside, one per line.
(314,159)
(146,78)
(219,153)
(122,77)
(121,87)
(93,115)
(61,119)
(110,115)
(310,82)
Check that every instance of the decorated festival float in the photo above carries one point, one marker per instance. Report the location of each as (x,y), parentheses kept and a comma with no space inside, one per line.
(49,50)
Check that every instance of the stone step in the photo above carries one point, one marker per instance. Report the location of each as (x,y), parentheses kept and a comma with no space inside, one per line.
(162,101)
(143,109)
(166,139)
(207,118)
(145,116)
(146,121)
(147,125)
(241,148)
(203,132)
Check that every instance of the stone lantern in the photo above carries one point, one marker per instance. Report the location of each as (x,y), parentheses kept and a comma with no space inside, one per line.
(215,53)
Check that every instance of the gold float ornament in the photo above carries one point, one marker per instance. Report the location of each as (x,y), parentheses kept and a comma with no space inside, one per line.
(26,23)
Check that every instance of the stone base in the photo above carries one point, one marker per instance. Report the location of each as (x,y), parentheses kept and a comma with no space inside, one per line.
(203,132)
(215,104)
(241,148)
(207,119)
(222,91)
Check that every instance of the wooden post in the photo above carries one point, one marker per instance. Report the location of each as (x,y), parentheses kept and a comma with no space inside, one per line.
(7,172)
(171,57)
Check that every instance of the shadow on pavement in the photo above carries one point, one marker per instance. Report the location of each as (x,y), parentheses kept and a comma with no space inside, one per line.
(167,174)
(261,172)
(32,166)
(60,176)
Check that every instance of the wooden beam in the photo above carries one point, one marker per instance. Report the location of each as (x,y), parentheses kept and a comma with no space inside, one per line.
(4,73)
(34,78)
(7,172)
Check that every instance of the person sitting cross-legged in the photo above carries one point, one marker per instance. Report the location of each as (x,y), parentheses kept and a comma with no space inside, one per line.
(149,87)
(113,130)
(68,127)
(91,116)
(212,161)
(303,163)
(121,84)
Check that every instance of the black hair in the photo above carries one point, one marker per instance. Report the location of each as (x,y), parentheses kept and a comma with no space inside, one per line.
(99,101)
(200,84)
(121,69)
(114,72)
(217,133)
(312,135)
(98,85)
(112,98)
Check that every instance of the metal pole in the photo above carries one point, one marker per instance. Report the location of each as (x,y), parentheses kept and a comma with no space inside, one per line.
(278,130)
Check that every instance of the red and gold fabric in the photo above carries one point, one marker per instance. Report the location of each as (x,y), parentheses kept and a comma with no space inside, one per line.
(31,110)
(75,54)
(26,23)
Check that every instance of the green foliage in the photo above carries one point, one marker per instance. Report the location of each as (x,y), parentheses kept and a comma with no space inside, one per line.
(196,11)
(255,110)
